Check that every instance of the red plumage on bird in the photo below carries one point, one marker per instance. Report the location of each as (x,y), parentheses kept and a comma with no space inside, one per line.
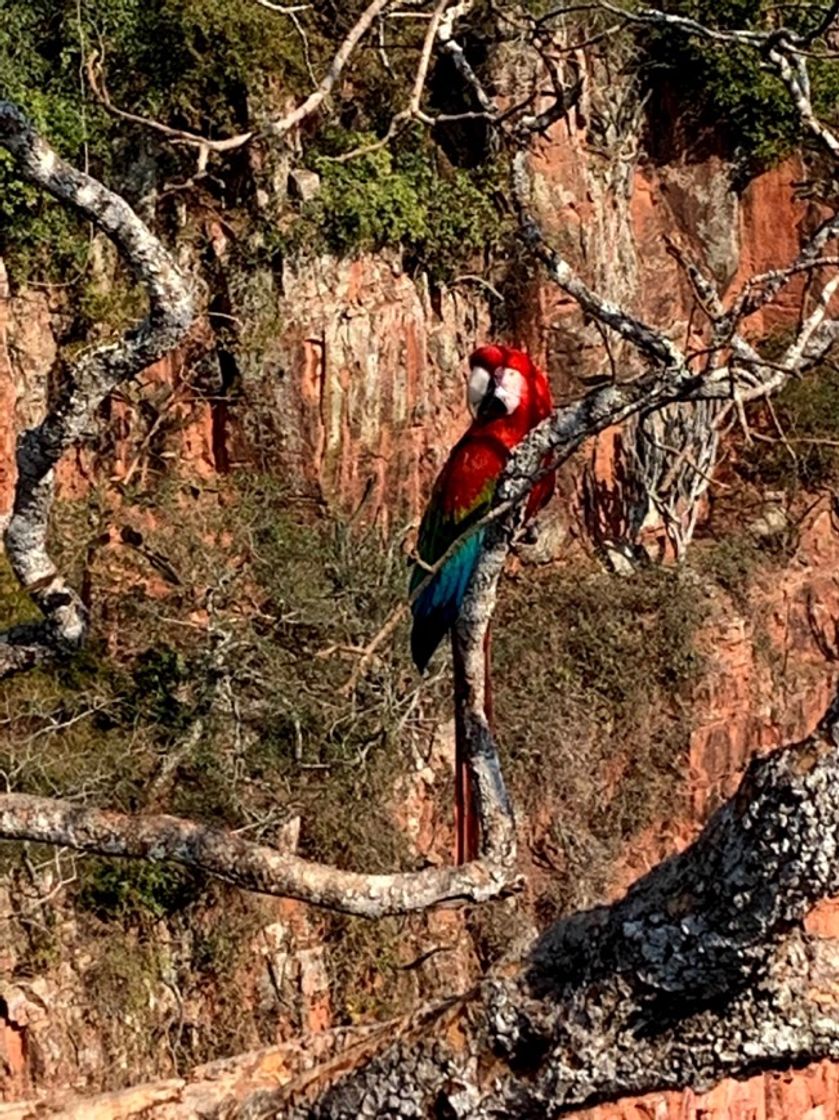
(508,395)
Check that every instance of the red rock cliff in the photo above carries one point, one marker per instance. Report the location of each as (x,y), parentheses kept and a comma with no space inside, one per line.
(363,373)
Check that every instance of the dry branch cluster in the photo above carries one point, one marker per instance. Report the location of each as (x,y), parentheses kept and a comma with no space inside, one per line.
(702,970)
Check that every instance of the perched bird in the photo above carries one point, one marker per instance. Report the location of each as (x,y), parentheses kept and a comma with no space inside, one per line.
(507,395)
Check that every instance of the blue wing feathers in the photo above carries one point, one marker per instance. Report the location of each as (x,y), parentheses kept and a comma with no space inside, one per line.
(437,606)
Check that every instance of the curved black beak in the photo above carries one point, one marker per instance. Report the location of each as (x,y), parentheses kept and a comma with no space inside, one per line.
(491,407)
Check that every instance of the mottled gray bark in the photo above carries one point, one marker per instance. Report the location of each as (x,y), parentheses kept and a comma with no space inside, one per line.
(86,383)
(702,971)
(258,867)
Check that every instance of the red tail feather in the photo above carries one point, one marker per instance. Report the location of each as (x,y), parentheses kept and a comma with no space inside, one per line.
(466,823)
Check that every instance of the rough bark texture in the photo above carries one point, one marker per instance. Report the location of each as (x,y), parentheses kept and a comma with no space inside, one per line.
(701,971)
(87,382)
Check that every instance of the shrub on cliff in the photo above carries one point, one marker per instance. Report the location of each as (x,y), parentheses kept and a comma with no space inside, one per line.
(723,88)
(407,194)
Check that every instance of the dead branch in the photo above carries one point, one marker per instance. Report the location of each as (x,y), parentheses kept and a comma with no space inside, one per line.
(94,69)
(340,59)
(792,68)
(87,382)
(672,483)
(91,830)
(450,46)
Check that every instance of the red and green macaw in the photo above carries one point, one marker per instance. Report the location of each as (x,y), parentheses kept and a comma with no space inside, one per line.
(507,396)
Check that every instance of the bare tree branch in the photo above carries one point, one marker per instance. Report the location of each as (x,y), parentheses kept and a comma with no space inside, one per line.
(793,71)
(702,971)
(450,46)
(260,868)
(336,67)
(651,343)
(87,382)
(670,453)
(276,129)
(94,68)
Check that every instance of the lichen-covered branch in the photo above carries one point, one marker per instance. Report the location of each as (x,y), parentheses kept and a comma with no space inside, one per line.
(87,381)
(702,971)
(257,867)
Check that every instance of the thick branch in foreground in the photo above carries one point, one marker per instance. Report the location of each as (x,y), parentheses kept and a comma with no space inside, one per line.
(702,971)
(87,382)
(257,867)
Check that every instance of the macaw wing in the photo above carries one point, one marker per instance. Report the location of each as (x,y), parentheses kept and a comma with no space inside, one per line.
(462,496)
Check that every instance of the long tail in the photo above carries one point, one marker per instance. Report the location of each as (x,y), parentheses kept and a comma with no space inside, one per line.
(467,828)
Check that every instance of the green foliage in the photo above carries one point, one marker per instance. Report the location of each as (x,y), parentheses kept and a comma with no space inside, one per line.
(366,980)
(613,643)
(327,587)
(313,588)
(193,64)
(806,457)
(133,891)
(214,67)
(158,674)
(725,87)
(119,986)
(405,195)
(15,605)
(122,976)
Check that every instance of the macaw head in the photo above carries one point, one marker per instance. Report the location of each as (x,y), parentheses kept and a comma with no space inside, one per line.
(503,380)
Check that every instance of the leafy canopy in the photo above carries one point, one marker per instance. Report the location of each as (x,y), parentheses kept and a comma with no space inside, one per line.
(727,87)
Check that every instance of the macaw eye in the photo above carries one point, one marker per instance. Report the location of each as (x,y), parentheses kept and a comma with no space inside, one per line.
(479,380)
(509,388)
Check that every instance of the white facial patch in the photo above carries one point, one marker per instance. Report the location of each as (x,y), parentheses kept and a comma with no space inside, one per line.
(509,389)
(479,380)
